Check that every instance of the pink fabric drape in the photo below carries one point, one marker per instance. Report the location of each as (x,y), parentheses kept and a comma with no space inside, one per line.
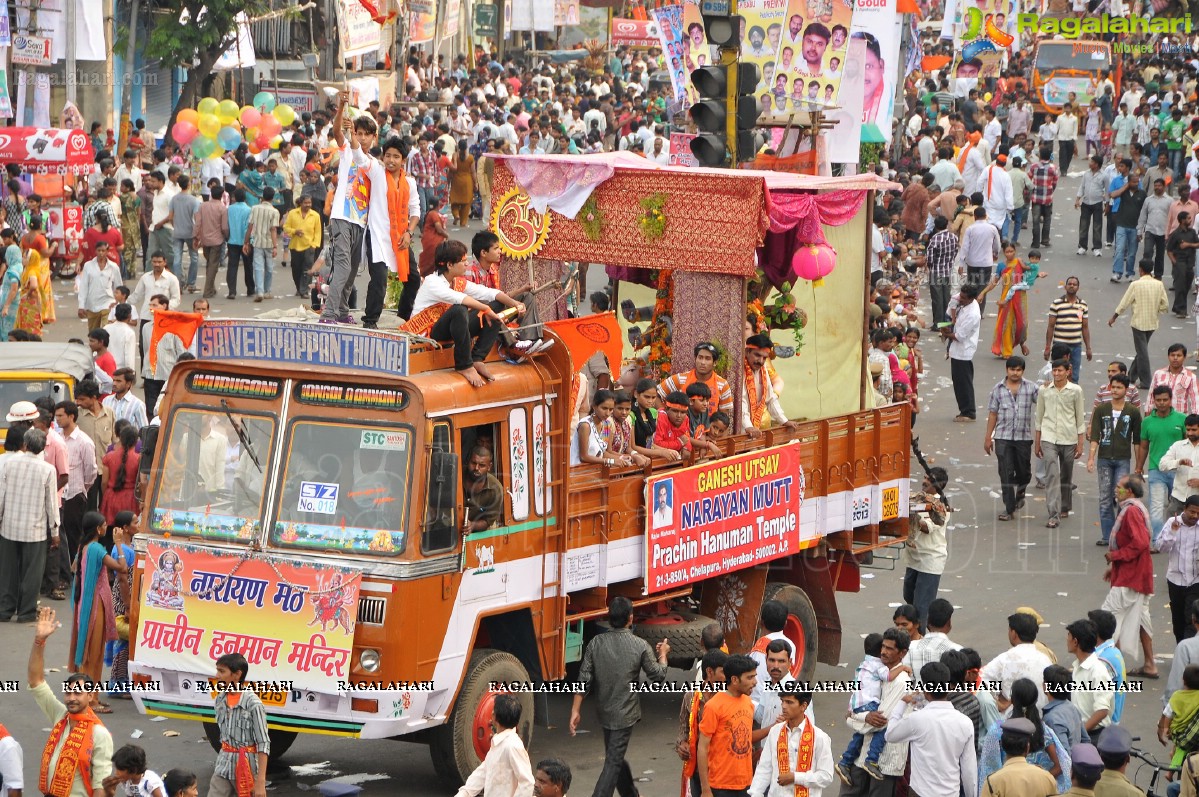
(796,219)
(560,186)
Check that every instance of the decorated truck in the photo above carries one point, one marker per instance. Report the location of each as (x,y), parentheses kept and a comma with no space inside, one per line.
(305,507)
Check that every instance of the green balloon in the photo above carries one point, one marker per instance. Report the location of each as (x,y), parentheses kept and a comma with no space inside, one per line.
(264,101)
(203,146)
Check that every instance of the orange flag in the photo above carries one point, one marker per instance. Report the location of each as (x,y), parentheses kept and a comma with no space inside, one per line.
(182,324)
(585,336)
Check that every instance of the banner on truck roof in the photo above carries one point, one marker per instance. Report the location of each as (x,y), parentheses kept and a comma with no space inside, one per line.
(304,344)
(292,620)
(712,519)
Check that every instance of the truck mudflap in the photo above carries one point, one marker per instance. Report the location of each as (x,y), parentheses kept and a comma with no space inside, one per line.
(367,713)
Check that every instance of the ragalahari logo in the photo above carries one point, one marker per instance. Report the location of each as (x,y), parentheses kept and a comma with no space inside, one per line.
(1072,27)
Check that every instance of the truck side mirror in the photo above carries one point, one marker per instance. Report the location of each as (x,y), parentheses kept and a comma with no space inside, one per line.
(149,438)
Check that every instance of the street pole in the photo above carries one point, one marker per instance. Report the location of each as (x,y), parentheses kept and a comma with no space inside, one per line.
(71,76)
(127,88)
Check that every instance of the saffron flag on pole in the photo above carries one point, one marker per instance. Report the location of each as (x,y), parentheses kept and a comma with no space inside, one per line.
(185,325)
(584,336)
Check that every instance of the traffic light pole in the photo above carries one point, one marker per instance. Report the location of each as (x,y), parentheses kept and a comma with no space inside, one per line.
(728,57)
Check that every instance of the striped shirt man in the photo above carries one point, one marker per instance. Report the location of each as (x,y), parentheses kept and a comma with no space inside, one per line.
(1184,390)
(1068,319)
(28,498)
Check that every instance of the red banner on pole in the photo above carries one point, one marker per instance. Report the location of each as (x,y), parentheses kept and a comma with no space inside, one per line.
(634,32)
(711,519)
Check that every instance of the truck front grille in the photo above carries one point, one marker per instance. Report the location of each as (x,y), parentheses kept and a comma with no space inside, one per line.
(371,611)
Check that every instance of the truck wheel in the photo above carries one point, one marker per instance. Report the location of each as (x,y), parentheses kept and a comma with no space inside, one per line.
(459,746)
(682,628)
(281,741)
(801,626)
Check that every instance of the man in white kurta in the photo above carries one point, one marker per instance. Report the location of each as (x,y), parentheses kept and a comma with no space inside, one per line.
(778,777)
(506,771)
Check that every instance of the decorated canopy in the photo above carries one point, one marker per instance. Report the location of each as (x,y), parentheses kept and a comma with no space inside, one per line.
(622,210)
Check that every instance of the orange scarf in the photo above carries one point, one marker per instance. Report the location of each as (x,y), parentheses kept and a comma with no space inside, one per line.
(807,751)
(76,754)
(761,645)
(962,160)
(243,773)
(422,323)
(757,406)
(397,213)
(692,738)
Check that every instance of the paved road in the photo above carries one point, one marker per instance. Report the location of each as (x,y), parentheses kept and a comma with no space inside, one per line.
(993,567)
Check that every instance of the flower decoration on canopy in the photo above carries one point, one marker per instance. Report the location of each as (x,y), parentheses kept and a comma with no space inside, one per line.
(652,220)
(591,219)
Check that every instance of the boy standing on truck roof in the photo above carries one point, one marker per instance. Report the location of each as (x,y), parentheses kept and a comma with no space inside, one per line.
(245,744)
(611,662)
(348,215)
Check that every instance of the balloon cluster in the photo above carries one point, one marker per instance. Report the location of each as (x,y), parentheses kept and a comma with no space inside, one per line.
(214,127)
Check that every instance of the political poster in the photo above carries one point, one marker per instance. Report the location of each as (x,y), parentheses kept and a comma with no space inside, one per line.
(811,56)
(680,150)
(844,140)
(981,39)
(760,37)
(453,11)
(359,33)
(422,21)
(670,32)
(878,23)
(293,620)
(712,519)
(566,12)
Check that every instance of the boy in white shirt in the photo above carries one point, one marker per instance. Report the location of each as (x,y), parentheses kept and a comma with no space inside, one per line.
(130,773)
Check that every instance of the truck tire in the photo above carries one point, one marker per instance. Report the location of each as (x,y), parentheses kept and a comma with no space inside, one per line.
(281,741)
(801,626)
(458,746)
(682,628)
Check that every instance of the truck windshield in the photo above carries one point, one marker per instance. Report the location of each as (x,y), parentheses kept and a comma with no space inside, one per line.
(345,487)
(1083,56)
(209,485)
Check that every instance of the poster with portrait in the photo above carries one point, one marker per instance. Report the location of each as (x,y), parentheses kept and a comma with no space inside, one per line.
(879,24)
(981,39)
(566,12)
(811,57)
(760,36)
(844,140)
(670,32)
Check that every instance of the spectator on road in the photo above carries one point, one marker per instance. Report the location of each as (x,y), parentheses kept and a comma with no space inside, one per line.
(29,522)
(1059,436)
(1146,297)
(505,771)
(1011,409)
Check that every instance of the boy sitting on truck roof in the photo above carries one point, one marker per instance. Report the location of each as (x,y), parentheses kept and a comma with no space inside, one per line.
(443,311)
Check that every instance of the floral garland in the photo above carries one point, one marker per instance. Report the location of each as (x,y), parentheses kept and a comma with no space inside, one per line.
(394,289)
(780,313)
(660,329)
(652,220)
(591,219)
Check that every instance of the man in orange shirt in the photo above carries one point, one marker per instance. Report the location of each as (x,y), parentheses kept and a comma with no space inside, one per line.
(704,371)
(724,757)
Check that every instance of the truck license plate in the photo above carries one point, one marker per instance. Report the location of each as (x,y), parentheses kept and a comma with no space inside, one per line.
(890,503)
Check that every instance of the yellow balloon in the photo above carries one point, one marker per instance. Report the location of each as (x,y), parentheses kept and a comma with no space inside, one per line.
(285,114)
(209,125)
(207,105)
(228,111)
(987,96)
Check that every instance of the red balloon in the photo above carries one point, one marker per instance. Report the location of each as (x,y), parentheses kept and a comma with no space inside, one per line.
(269,125)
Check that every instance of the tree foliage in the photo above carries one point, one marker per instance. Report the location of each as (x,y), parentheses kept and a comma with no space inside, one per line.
(208,28)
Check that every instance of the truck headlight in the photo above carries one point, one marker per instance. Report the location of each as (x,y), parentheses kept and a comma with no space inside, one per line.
(368,660)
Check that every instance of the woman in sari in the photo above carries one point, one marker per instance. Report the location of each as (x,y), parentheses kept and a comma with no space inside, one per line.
(37,267)
(10,285)
(1045,750)
(1011,327)
(91,596)
(116,654)
(29,310)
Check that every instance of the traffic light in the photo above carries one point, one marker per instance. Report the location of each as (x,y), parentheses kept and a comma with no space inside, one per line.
(726,108)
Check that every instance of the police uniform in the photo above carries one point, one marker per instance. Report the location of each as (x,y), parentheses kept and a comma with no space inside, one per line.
(1084,760)
(1017,777)
(1114,783)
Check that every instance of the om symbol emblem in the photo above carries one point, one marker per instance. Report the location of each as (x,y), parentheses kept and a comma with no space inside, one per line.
(522,231)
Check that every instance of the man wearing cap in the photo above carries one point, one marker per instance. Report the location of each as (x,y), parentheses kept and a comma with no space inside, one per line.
(77,758)
(28,521)
(1086,766)
(757,394)
(1017,777)
(1114,747)
(1180,539)
(704,371)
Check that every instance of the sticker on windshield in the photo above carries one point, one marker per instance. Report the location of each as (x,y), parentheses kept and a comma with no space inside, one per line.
(318,497)
(384,441)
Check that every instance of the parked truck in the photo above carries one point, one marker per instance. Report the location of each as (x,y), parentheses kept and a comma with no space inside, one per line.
(342,484)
